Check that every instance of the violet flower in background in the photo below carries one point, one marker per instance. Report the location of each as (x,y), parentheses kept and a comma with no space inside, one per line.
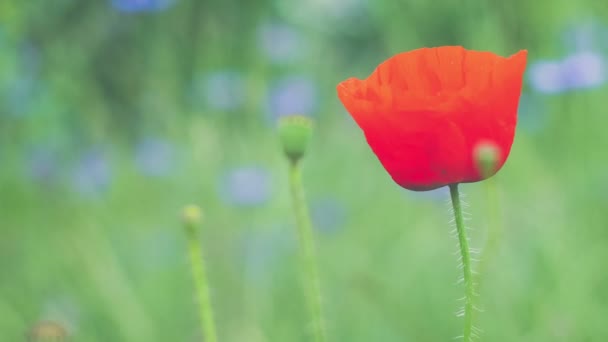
(328,214)
(280,43)
(42,165)
(154,157)
(220,90)
(584,70)
(92,174)
(546,76)
(135,6)
(292,95)
(580,70)
(246,186)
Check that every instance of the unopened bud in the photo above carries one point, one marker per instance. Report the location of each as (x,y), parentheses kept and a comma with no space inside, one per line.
(191,215)
(46,331)
(487,157)
(295,132)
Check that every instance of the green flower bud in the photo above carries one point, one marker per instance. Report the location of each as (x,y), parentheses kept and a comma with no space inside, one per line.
(487,157)
(191,215)
(295,132)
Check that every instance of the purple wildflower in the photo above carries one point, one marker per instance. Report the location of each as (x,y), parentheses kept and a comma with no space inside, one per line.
(581,70)
(92,174)
(154,157)
(280,43)
(292,95)
(546,77)
(246,186)
(42,165)
(135,6)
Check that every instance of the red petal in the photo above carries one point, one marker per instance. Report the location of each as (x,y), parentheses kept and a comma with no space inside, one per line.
(423,111)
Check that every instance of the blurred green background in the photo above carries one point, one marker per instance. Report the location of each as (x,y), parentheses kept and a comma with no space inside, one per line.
(115,114)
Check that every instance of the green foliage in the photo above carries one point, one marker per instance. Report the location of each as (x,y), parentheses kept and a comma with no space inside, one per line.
(113,266)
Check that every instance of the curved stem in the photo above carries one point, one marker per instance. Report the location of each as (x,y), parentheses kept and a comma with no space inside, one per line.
(200,283)
(466,264)
(307,251)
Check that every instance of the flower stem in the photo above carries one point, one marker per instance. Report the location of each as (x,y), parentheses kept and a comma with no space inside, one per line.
(200,283)
(466,264)
(307,251)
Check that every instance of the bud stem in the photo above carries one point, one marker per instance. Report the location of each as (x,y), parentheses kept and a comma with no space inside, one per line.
(466,264)
(307,252)
(200,283)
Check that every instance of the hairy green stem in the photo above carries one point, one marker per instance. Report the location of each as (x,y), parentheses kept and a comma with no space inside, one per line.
(465,254)
(200,284)
(307,251)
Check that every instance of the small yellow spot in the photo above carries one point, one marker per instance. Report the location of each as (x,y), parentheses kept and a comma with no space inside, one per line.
(48,331)
(192,214)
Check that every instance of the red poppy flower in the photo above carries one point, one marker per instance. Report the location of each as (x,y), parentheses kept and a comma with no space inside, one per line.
(423,112)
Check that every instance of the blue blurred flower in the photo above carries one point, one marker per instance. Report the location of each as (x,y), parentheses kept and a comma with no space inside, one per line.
(42,165)
(246,186)
(546,77)
(154,157)
(280,43)
(220,90)
(292,95)
(92,174)
(581,70)
(328,214)
(134,6)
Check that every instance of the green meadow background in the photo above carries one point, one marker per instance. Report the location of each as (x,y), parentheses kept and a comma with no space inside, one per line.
(115,114)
